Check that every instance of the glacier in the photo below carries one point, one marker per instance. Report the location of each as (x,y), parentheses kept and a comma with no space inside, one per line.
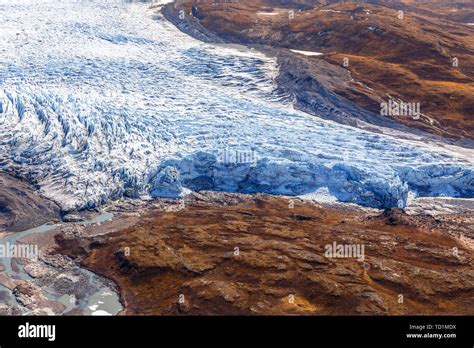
(105,99)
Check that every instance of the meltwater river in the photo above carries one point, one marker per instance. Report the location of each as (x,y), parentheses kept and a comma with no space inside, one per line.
(59,290)
(100,99)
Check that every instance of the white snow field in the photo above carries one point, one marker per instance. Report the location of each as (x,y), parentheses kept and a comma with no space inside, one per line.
(101,99)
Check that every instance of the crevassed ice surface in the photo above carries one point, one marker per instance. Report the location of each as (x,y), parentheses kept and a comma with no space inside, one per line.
(100,99)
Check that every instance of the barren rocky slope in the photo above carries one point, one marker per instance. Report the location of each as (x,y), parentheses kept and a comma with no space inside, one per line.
(21,207)
(236,254)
